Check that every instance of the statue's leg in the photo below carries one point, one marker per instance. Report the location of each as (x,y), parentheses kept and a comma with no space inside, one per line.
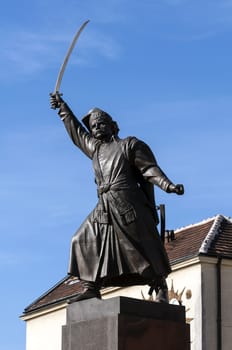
(161,289)
(157,284)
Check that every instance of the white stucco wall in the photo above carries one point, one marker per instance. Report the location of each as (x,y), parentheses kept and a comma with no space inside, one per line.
(188,276)
(44,331)
(209,303)
(226,278)
(130,292)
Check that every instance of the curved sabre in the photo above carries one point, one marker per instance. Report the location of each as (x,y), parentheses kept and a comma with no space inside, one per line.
(64,64)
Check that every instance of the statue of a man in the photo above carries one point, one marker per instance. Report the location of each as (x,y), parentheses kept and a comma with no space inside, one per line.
(118,244)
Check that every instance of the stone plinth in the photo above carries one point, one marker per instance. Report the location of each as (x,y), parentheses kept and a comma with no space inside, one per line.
(125,324)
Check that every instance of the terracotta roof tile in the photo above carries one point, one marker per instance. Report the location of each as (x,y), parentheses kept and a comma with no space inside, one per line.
(222,244)
(187,241)
(59,293)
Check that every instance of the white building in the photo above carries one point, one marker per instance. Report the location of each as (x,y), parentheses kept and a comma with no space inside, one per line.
(201,259)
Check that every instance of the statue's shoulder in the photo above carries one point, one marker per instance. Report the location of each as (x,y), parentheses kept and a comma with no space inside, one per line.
(129,140)
(132,142)
(129,145)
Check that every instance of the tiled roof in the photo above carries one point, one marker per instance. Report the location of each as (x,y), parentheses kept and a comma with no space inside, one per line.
(187,242)
(63,290)
(211,237)
(222,244)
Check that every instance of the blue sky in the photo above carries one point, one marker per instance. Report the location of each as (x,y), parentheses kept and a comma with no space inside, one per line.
(161,68)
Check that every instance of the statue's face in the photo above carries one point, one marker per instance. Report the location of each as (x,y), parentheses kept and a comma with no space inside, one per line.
(101,127)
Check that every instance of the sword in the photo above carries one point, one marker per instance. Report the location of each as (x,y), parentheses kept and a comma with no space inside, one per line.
(64,64)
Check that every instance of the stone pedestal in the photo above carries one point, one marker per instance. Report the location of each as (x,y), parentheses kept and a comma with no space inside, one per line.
(125,324)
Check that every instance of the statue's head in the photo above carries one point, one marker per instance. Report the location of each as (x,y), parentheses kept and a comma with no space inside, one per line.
(100,124)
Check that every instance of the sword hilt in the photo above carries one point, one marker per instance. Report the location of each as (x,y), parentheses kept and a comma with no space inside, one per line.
(57,96)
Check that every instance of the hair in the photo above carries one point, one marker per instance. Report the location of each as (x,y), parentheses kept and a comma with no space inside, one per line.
(115,128)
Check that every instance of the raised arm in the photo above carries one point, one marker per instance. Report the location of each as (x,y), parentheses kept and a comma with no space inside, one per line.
(78,134)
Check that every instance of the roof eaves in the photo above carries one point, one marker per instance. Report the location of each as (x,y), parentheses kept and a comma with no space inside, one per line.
(50,303)
(183,258)
(217,255)
(45,294)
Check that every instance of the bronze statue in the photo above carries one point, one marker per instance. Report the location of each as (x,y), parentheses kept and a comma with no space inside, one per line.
(118,244)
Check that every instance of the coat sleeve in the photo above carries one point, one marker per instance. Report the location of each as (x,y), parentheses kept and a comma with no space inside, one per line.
(78,134)
(144,160)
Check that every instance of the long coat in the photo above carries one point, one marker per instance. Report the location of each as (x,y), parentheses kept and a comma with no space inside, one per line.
(118,242)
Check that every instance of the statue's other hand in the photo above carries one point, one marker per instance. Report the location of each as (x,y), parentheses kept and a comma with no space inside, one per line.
(55,100)
(178,189)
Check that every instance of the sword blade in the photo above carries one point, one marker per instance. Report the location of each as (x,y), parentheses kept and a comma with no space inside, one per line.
(64,64)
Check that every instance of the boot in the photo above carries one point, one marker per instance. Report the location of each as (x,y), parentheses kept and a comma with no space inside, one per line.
(90,290)
(162,296)
(161,289)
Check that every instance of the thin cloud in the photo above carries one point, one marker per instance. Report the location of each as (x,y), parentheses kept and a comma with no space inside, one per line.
(29,53)
(26,53)
(103,44)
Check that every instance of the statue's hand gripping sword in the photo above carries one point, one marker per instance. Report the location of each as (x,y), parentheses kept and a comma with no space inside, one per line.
(64,64)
